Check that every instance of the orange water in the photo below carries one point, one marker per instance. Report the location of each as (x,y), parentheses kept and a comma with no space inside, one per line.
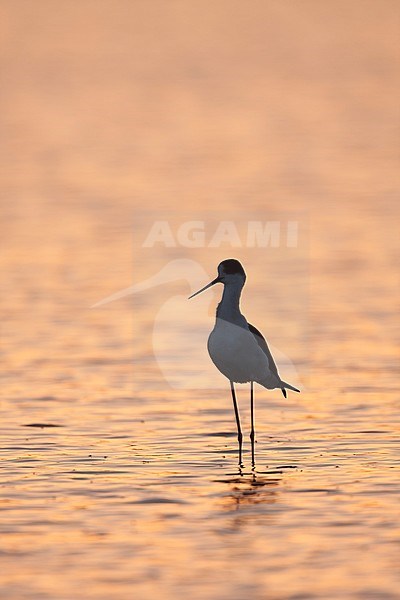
(116,115)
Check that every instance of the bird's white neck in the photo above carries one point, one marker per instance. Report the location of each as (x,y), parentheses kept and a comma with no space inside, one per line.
(229,307)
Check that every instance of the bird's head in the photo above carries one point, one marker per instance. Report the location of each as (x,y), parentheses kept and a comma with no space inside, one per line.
(230,272)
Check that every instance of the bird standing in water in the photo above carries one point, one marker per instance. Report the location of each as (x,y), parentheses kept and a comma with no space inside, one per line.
(237,348)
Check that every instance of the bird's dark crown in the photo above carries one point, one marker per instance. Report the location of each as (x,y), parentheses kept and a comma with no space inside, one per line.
(231,266)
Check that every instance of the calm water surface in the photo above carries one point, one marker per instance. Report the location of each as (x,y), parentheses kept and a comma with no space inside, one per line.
(135,485)
(115,483)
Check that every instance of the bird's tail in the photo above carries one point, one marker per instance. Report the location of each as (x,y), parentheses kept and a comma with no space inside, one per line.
(273,382)
(288,386)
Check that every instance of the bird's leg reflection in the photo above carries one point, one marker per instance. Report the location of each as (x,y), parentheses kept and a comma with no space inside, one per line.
(240,436)
(258,493)
(252,433)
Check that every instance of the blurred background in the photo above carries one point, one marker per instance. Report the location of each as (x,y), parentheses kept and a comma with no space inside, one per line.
(117,114)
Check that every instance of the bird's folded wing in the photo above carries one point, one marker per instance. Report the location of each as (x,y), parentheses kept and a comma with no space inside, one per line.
(261,341)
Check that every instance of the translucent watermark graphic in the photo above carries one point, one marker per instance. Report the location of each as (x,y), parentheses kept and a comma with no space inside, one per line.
(185,253)
(194,234)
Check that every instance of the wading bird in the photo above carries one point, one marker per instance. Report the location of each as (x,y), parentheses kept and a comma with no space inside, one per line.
(237,348)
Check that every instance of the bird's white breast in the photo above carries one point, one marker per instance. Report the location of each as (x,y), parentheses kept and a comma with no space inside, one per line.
(235,352)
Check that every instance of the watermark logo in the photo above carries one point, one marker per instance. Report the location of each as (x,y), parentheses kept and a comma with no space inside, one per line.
(180,329)
(196,234)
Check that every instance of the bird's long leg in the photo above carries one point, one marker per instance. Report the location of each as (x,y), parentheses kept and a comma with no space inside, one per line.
(252,433)
(240,436)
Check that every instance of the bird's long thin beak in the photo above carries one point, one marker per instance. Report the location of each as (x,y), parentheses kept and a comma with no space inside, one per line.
(216,280)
